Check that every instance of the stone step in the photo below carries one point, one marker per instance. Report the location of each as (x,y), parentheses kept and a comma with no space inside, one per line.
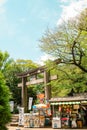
(14,120)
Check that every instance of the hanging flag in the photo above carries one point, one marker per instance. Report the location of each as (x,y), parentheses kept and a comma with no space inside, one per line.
(30,103)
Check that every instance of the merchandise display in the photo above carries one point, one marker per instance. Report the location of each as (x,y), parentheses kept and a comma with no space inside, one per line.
(36,118)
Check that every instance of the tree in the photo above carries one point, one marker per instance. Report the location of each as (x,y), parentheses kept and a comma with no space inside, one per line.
(10,69)
(67,42)
(4,103)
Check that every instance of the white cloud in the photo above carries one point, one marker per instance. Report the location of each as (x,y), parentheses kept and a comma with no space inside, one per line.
(66,0)
(2,8)
(2,2)
(44,58)
(71,10)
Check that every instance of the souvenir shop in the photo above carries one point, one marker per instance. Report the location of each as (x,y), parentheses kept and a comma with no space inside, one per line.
(39,115)
(69,112)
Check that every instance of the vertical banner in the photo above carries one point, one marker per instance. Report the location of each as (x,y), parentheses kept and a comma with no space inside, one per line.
(30,103)
(21,116)
(11,106)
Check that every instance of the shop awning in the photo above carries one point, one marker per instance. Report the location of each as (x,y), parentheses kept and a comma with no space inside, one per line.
(65,103)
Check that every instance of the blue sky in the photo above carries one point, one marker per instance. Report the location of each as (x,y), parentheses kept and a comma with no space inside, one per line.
(23,22)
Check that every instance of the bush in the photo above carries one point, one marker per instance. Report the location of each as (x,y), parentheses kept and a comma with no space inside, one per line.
(5,114)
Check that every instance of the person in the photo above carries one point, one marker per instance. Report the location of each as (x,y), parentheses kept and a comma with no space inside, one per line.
(79,119)
(86,117)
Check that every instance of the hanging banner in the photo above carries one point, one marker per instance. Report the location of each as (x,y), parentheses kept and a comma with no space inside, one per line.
(11,106)
(30,103)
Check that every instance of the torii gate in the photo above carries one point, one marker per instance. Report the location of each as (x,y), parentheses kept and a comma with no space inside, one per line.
(46,79)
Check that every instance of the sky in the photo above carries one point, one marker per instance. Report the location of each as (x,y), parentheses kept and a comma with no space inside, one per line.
(23,23)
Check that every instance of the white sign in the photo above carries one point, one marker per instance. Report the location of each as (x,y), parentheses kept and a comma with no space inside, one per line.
(30,103)
(21,116)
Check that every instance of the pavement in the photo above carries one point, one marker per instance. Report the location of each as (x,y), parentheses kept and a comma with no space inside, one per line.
(22,128)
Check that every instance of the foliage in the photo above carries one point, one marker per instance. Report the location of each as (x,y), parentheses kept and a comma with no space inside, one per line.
(4,104)
(11,72)
(4,61)
(12,81)
(25,65)
(69,78)
(82,20)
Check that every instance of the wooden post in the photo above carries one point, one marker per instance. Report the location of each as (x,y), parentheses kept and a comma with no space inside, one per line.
(47,86)
(24,94)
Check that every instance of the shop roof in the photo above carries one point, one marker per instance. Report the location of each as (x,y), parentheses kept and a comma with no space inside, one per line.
(67,99)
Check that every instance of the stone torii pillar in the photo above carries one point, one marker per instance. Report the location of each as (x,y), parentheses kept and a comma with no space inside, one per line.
(47,85)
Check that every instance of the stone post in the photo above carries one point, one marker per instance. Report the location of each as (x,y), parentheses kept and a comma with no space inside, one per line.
(24,94)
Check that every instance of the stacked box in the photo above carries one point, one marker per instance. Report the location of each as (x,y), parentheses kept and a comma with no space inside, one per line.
(42,121)
(31,122)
